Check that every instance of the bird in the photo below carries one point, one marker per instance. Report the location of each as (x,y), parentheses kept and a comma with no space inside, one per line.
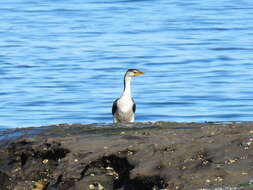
(123,108)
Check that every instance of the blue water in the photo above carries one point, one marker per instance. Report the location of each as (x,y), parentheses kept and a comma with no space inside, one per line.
(63,61)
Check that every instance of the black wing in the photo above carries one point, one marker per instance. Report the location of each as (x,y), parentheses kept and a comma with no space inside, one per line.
(114,106)
(134,106)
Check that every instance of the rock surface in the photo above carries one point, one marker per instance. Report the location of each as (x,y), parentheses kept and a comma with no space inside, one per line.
(139,156)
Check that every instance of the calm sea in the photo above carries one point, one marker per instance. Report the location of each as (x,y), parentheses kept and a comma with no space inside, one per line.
(63,61)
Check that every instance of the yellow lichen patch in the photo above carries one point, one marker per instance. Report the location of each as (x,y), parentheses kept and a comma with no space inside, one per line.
(45,161)
(100,187)
(91,187)
(231,161)
(39,185)
(218,179)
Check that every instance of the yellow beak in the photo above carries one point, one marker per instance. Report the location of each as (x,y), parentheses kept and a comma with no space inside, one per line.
(138,74)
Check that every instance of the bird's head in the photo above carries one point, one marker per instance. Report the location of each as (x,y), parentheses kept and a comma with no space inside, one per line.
(133,72)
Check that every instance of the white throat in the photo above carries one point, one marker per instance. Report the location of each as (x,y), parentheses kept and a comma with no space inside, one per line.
(125,102)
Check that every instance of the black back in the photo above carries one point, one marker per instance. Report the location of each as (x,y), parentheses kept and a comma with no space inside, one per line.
(114,106)
(134,106)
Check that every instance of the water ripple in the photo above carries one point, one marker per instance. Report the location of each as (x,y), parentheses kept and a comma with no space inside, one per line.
(63,61)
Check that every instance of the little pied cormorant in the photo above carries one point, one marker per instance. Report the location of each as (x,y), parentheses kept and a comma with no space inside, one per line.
(123,108)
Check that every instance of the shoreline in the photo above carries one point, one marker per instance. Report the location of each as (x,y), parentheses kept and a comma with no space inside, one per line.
(150,155)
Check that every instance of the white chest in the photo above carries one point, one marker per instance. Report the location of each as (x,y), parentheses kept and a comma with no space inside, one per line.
(125,104)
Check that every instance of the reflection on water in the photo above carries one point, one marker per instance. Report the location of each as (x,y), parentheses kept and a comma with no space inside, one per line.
(63,61)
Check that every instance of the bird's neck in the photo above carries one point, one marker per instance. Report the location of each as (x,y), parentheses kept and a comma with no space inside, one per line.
(127,87)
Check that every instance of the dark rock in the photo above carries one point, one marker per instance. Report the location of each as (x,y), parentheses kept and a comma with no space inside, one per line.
(135,156)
